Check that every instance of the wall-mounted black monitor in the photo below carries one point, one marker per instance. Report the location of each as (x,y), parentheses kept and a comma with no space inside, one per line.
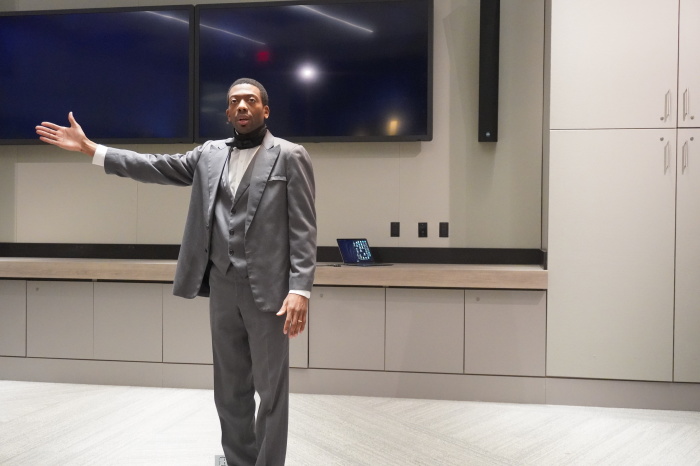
(126,74)
(334,70)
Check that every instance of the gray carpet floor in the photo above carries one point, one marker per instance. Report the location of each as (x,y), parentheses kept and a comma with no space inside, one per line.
(64,424)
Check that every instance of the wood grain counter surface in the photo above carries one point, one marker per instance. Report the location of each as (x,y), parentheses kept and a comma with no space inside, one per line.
(398,275)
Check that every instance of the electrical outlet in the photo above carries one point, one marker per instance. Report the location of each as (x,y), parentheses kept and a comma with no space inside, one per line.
(444,229)
(422,230)
(395,229)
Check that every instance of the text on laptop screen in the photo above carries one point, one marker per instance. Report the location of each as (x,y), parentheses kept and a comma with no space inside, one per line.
(355,250)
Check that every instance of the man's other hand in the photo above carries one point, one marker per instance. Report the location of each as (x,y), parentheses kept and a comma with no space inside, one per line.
(296,307)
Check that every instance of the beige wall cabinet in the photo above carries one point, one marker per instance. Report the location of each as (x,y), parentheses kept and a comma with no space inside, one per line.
(505,332)
(442,331)
(60,320)
(128,321)
(612,217)
(611,254)
(689,64)
(346,328)
(615,63)
(687,316)
(110,321)
(13,318)
(616,70)
(424,330)
(360,340)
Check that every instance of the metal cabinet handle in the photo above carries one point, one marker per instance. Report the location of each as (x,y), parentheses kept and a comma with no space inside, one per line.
(667,156)
(686,104)
(667,106)
(684,159)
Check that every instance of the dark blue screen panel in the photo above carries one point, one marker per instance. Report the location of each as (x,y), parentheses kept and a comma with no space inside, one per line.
(335,71)
(125,75)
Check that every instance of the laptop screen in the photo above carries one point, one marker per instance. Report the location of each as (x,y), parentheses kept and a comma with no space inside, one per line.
(355,251)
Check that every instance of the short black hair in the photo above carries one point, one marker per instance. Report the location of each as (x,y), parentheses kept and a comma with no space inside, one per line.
(252,82)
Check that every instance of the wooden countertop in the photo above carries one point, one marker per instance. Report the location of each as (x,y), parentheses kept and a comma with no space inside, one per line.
(398,275)
(436,276)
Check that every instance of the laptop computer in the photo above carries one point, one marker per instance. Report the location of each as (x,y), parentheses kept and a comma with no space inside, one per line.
(355,251)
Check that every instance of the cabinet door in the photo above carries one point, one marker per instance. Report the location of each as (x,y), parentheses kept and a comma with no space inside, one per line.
(13,318)
(424,330)
(60,320)
(613,64)
(687,328)
(346,328)
(689,64)
(505,332)
(129,321)
(611,254)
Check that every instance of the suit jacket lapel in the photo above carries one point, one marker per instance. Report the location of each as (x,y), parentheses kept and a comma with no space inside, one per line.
(266,159)
(245,181)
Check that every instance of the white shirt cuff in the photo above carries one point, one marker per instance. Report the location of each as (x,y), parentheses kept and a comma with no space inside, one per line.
(304,293)
(99,157)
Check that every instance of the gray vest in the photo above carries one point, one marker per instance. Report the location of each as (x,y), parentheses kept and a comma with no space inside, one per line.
(228,235)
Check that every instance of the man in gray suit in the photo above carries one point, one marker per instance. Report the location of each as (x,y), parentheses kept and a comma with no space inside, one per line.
(250,245)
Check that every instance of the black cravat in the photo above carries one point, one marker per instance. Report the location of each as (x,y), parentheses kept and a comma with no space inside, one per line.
(248,140)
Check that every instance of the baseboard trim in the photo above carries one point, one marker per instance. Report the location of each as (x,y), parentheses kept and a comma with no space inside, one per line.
(459,387)
(623,394)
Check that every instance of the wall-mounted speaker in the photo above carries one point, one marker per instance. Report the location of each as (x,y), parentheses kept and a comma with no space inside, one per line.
(489,30)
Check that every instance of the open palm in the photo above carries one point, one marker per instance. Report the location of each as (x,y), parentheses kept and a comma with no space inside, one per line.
(69,138)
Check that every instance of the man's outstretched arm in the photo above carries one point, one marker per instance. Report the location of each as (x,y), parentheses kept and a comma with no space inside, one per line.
(69,138)
(175,169)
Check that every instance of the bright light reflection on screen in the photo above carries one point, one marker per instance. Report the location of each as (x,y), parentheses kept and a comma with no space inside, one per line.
(392,128)
(335,18)
(308,73)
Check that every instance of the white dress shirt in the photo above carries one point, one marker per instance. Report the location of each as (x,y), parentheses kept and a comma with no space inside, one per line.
(238,164)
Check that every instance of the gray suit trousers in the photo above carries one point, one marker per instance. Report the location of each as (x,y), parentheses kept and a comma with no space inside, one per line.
(251,354)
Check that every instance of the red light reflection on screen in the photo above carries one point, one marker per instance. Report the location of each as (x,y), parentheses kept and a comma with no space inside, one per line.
(263,56)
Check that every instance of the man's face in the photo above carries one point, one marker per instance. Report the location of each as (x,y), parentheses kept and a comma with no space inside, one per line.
(246,111)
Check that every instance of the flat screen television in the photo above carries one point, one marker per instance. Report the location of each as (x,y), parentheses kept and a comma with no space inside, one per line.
(334,70)
(126,73)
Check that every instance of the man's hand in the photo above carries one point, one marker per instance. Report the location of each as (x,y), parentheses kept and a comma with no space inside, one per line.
(72,138)
(296,307)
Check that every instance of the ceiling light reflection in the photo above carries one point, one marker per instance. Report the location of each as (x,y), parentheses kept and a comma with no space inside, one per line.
(392,127)
(335,18)
(308,73)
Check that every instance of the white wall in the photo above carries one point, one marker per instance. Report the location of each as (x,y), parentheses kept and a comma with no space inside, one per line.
(490,193)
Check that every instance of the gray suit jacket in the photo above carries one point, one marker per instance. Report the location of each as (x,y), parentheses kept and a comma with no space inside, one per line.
(280,228)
